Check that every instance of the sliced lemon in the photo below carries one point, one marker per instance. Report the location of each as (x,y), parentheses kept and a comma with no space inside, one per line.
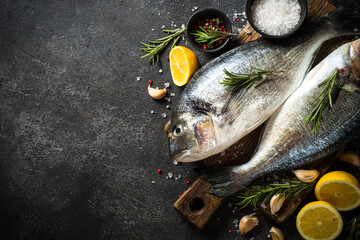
(183,64)
(319,220)
(340,189)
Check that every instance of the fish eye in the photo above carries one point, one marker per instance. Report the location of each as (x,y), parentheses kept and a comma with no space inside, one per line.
(178,130)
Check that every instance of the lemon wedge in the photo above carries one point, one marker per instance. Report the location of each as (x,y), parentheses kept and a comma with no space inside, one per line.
(183,64)
(319,220)
(340,189)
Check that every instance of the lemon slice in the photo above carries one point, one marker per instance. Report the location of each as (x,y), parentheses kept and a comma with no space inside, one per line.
(340,189)
(319,220)
(183,64)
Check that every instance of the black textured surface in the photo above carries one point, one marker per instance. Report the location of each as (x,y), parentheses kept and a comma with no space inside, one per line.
(79,146)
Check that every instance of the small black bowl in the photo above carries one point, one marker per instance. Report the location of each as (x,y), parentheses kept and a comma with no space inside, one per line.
(303,6)
(200,15)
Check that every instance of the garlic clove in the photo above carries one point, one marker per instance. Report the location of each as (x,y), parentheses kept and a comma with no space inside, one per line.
(167,126)
(156,93)
(247,223)
(350,157)
(276,234)
(276,203)
(306,175)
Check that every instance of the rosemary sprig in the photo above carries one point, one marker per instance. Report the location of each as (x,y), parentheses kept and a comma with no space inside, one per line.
(328,85)
(209,36)
(154,49)
(238,80)
(351,230)
(263,193)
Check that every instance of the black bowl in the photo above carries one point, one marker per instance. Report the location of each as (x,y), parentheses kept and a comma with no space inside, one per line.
(200,15)
(303,6)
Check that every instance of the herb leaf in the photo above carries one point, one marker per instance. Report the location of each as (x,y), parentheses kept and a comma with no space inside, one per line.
(238,80)
(154,49)
(251,196)
(316,114)
(209,36)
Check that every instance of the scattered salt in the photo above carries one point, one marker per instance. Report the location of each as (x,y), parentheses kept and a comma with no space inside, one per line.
(163,115)
(229,205)
(169,99)
(163,26)
(194,8)
(153,182)
(152,111)
(160,70)
(355,29)
(175,162)
(172,94)
(138,78)
(276,17)
(166,85)
(170,175)
(166,177)
(152,29)
(183,26)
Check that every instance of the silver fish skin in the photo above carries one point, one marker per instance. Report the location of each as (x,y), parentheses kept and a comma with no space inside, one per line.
(288,142)
(207,119)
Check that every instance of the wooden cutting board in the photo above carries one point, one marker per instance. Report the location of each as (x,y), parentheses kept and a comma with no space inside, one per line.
(197,205)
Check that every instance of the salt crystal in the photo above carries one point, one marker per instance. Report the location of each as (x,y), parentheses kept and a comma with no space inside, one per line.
(138,78)
(355,29)
(160,70)
(163,26)
(183,26)
(252,238)
(153,182)
(218,219)
(233,211)
(152,29)
(159,14)
(262,205)
(172,94)
(163,115)
(179,176)
(176,178)
(175,162)
(166,85)
(229,205)
(169,99)
(152,111)
(236,221)
(276,17)
(268,236)
(170,175)
(166,177)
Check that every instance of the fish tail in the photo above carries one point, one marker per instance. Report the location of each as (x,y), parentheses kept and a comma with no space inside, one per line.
(226,181)
(347,18)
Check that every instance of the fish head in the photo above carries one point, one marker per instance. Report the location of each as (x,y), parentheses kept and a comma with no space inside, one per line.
(191,137)
(355,57)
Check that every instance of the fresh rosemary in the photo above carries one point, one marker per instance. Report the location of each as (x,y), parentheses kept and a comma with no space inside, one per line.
(154,49)
(263,193)
(351,230)
(209,36)
(328,85)
(238,80)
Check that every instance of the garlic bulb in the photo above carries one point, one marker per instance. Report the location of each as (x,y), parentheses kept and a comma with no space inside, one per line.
(276,234)
(350,157)
(247,223)
(306,175)
(276,203)
(156,93)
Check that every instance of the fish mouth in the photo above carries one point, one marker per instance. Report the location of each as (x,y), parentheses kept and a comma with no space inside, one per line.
(184,156)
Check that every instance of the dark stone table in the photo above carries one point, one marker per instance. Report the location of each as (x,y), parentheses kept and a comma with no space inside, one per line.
(79,146)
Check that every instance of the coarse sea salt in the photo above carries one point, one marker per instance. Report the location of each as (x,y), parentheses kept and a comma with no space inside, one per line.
(275,17)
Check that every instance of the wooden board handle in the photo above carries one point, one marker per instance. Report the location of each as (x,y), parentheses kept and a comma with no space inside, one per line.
(197,205)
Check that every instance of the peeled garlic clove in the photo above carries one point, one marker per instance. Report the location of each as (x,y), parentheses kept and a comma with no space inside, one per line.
(276,203)
(276,234)
(247,223)
(156,93)
(306,175)
(167,126)
(350,157)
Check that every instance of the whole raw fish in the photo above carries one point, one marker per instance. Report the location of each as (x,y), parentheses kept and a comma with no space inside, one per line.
(208,119)
(288,142)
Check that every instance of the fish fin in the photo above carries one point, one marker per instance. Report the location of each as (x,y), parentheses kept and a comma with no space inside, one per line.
(232,104)
(347,18)
(224,180)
